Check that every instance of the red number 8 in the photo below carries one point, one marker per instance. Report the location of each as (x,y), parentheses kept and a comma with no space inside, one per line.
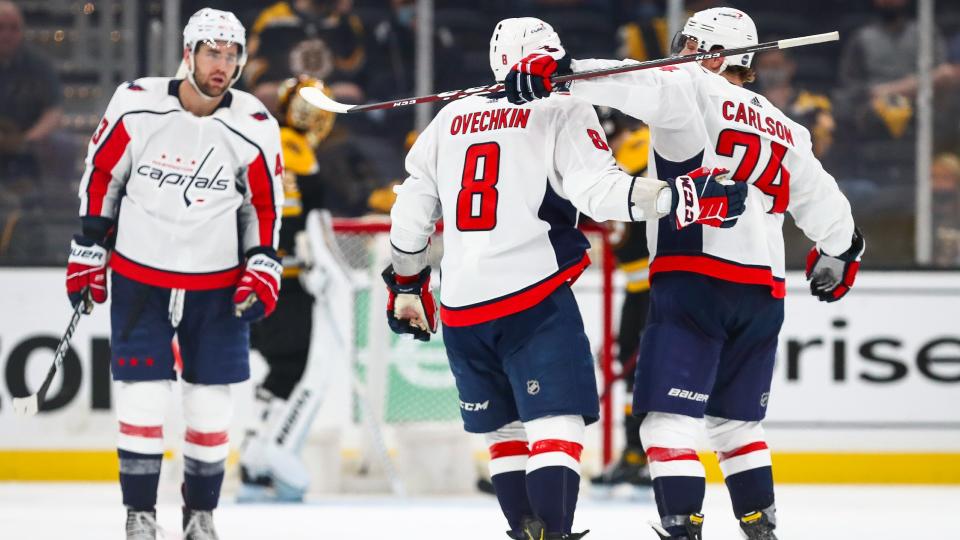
(598,140)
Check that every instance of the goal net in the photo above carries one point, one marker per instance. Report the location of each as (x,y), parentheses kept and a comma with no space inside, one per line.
(403,430)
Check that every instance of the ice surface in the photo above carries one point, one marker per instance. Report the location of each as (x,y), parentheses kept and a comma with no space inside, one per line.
(93,511)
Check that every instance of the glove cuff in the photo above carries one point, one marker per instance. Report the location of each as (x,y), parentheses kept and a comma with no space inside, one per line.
(857,246)
(405,284)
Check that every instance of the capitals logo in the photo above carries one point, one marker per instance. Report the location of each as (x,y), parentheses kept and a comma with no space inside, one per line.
(191,177)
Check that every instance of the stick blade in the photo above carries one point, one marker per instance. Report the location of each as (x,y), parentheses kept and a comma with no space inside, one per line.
(26,406)
(318,99)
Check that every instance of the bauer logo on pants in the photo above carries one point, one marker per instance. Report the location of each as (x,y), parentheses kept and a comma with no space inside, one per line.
(687,394)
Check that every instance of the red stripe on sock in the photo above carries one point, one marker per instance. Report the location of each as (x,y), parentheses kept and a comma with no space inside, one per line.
(656,453)
(214,438)
(508,449)
(556,445)
(147,432)
(745,449)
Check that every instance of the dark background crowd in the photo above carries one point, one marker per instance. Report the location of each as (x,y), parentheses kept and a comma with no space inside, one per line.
(857,96)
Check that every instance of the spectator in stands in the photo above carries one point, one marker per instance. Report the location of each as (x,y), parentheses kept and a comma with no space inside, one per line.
(812,110)
(30,98)
(392,63)
(879,57)
(945,180)
(322,39)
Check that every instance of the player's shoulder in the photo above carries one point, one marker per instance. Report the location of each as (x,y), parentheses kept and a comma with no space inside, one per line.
(250,114)
(800,134)
(147,93)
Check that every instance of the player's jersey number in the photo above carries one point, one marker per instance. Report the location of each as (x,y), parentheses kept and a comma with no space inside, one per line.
(477,200)
(774,180)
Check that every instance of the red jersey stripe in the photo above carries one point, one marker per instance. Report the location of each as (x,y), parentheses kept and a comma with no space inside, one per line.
(657,453)
(173,280)
(745,449)
(508,449)
(261,187)
(556,445)
(104,161)
(213,438)
(513,303)
(720,269)
(147,432)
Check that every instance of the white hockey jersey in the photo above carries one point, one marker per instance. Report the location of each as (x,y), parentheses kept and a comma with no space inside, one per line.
(507,181)
(189,195)
(698,117)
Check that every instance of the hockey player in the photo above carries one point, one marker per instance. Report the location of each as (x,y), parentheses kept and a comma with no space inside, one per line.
(716,294)
(508,182)
(181,197)
(286,400)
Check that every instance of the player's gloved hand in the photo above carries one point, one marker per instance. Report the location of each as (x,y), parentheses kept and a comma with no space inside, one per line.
(256,295)
(411,307)
(700,197)
(832,277)
(86,272)
(529,79)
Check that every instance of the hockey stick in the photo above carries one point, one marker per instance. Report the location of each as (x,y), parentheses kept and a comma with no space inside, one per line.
(30,405)
(317,98)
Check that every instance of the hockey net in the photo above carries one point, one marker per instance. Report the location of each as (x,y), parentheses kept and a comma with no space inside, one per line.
(404,431)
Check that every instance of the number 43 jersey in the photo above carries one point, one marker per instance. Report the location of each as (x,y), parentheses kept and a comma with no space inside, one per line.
(508,182)
(189,195)
(696,117)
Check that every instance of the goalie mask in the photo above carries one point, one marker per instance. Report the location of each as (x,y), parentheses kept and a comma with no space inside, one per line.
(514,39)
(295,112)
(210,26)
(719,27)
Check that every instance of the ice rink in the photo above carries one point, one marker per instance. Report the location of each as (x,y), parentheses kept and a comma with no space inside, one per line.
(93,512)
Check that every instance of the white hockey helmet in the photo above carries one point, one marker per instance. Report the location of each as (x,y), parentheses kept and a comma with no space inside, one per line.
(211,25)
(514,39)
(723,26)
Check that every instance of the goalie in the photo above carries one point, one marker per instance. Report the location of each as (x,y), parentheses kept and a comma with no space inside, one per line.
(301,339)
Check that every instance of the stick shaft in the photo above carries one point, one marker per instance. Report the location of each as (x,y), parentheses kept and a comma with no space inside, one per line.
(650,64)
(61,352)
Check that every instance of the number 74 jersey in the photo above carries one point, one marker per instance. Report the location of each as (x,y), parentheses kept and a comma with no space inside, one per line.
(699,117)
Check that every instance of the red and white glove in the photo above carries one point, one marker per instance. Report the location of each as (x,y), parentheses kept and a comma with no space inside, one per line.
(86,272)
(832,277)
(529,79)
(259,287)
(411,306)
(700,197)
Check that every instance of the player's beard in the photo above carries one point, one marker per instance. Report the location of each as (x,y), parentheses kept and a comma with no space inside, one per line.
(205,86)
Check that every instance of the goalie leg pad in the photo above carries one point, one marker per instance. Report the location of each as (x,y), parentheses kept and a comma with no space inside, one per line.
(745,461)
(508,465)
(207,410)
(140,410)
(670,441)
(553,470)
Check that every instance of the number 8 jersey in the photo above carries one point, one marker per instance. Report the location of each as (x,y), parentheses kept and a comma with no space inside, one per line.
(508,182)
(696,117)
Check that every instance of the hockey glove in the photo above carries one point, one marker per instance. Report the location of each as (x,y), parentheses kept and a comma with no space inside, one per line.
(529,79)
(699,197)
(411,306)
(86,272)
(259,286)
(832,277)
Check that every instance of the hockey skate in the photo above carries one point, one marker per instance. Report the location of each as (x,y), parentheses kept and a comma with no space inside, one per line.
(693,528)
(534,529)
(758,525)
(198,525)
(630,470)
(141,524)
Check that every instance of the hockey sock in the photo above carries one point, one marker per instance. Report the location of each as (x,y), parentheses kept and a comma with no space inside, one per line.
(744,461)
(508,470)
(678,476)
(553,470)
(207,409)
(140,408)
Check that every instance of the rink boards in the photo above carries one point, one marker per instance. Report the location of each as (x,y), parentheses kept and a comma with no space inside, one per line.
(865,390)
